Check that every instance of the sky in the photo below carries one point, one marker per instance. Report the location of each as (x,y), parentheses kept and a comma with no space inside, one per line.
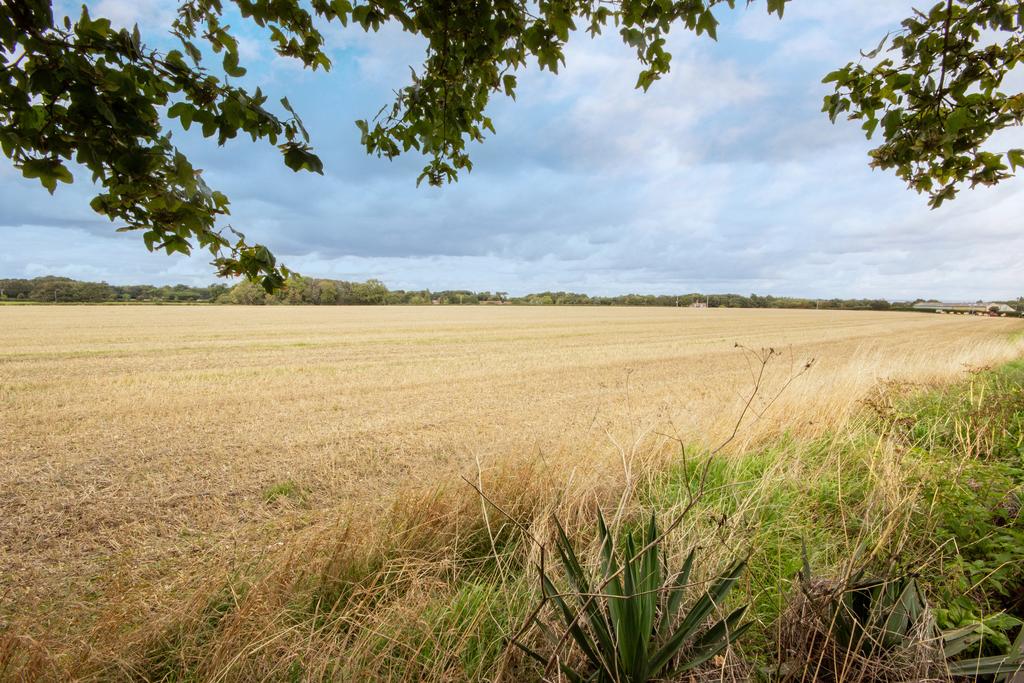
(724,177)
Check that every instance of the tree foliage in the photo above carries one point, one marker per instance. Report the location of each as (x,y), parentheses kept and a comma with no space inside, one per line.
(937,95)
(86,92)
(82,91)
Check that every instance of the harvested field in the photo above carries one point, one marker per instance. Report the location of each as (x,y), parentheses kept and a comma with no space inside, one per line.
(139,445)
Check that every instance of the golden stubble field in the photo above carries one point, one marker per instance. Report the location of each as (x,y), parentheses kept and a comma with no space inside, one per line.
(138,443)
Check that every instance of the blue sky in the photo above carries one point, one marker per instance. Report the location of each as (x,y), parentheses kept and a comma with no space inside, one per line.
(725,176)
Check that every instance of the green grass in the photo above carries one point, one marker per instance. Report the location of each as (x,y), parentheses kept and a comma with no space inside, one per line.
(284,490)
(169,659)
(471,622)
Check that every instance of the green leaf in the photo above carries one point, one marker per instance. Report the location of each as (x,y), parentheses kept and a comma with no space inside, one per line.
(509,84)
(706,22)
(298,121)
(956,120)
(677,591)
(1015,157)
(182,111)
(298,158)
(837,76)
(231,67)
(193,52)
(48,171)
(697,614)
(874,53)
(988,666)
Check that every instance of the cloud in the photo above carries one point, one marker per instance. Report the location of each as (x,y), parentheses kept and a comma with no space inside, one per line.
(148,14)
(118,258)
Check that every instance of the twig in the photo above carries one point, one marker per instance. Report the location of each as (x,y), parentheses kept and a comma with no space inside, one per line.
(945,47)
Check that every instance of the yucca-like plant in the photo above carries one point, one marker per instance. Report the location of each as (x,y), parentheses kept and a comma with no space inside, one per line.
(869,615)
(626,619)
(889,620)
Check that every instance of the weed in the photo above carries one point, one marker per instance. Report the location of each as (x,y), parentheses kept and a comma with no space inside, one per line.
(284,490)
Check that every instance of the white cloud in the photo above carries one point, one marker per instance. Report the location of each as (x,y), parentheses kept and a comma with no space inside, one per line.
(148,14)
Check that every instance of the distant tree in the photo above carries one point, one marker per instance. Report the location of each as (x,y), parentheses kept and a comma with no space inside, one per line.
(298,290)
(92,292)
(54,289)
(246,293)
(369,292)
(83,91)
(66,290)
(328,293)
(16,288)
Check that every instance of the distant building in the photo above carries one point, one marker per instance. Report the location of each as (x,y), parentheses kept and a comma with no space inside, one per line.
(982,308)
(699,304)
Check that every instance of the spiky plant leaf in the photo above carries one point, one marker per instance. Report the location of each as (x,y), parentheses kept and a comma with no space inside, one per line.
(716,639)
(577,633)
(697,615)
(676,591)
(988,666)
(636,610)
(581,585)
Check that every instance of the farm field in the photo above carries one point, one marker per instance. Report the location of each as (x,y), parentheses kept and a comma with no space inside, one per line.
(143,447)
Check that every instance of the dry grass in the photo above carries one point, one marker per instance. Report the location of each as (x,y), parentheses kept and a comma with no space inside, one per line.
(147,453)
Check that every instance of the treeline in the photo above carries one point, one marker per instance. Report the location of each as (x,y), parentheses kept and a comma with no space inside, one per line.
(312,291)
(697,299)
(324,292)
(54,289)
